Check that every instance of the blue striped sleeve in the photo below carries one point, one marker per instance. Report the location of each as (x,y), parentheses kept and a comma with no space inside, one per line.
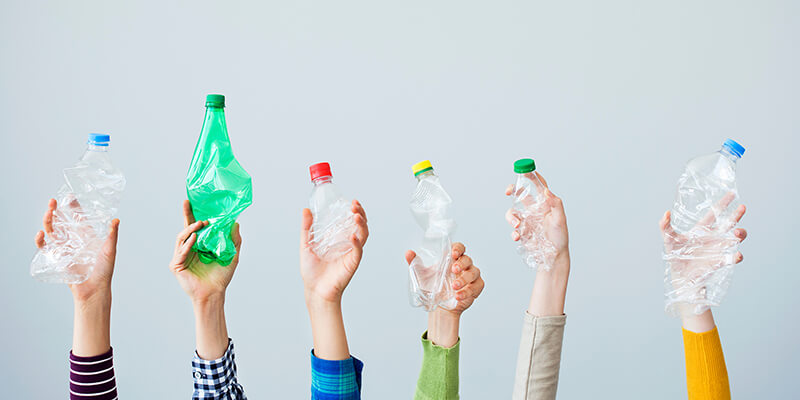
(335,380)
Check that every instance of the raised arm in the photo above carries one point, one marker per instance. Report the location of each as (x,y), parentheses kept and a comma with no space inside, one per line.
(438,377)
(706,372)
(539,358)
(214,368)
(91,359)
(335,374)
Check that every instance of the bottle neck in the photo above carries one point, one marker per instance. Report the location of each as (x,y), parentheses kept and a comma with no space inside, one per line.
(322,180)
(729,154)
(97,149)
(425,174)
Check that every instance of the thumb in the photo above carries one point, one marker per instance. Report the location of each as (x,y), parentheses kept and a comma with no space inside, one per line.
(111,242)
(410,255)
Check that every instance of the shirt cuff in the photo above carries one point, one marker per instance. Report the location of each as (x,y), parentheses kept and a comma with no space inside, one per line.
(215,379)
(438,377)
(92,377)
(335,379)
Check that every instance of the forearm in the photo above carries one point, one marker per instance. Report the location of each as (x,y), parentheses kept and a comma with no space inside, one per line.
(211,330)
(92,325)
(550,289)
(327,328)
(696,323)
(443,328)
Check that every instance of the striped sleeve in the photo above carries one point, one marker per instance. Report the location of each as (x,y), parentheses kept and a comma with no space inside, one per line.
(92,377)
(335,380)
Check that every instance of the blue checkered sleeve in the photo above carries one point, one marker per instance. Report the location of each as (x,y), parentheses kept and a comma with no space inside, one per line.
(335,380)
(216,379)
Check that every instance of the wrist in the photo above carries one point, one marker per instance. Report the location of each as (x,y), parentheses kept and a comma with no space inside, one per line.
(98,300)
(697,323)
(315,302)
(550,288)
(211,301)
(443,327)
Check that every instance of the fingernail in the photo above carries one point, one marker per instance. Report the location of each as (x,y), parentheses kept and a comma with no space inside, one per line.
(459,296)
(456,268)
(456,285)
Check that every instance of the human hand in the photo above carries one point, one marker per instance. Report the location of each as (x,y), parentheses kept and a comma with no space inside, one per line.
(325,280)
(98,285)
(692,257)
(199,280)
(554,220)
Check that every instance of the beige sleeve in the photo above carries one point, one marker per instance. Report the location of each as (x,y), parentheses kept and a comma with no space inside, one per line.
(539,358)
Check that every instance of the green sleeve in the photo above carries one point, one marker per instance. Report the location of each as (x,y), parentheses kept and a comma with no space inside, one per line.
(438,377)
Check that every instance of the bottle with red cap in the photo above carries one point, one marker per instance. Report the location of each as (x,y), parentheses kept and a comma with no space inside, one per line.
(333,219)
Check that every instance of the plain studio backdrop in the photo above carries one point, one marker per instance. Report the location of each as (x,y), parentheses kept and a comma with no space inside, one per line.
(611,99)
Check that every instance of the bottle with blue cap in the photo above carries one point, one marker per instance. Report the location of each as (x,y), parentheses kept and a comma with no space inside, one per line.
(87,202)
(703,221)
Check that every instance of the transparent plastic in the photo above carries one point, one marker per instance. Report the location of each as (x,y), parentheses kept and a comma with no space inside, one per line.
(529,207)
(218,187)
(334,222)
(87,202)
(430,279)
(700,248)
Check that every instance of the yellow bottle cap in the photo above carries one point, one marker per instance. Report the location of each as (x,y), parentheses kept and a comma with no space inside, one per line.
(421,167)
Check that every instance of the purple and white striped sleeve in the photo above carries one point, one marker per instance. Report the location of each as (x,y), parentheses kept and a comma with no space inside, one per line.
(92,377)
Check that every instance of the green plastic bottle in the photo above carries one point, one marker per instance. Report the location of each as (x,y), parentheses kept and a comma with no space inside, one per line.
(217,186)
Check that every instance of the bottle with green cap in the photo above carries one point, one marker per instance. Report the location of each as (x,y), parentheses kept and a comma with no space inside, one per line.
(86,204)
(217,186)
(530,207)
(430,279)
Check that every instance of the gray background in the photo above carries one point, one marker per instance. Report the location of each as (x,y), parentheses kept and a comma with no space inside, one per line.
(611,98)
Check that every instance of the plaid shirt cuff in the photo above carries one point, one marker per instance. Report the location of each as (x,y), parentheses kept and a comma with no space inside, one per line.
(335,380)
(216,379)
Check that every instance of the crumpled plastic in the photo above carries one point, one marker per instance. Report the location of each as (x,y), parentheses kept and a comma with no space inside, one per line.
(430,278)
(218,188)
(87,202)
(700,246)
(333,225)
(530,208)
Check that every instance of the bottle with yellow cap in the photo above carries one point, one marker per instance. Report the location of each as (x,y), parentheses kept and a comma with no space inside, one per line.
(430,279)
(530,208)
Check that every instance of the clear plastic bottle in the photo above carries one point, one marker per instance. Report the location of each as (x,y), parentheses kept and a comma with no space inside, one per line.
(430,279)
(700,254)
(530,207)
(333,218)
(87,202)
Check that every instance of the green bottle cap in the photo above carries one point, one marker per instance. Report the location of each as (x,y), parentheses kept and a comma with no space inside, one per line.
(525,165)
(215,100)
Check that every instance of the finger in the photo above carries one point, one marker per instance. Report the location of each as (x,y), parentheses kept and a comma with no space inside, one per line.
(665,225)
(358,246)
(515,236)
(462,264)
(186,232)
(738,257)
(410,255)
(739,213)
(357,208)
(512,218)
(553,200)
(39,239)
(114,234)
(47,221)
(711,215)
(362,230)
(740,234)
(510,190)
(236,236)
(306,220)
(458,249)
(188,215)
(473,290)
(467,277)
(541,178)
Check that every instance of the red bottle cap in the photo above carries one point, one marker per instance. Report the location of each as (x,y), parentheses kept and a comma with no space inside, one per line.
(319,170)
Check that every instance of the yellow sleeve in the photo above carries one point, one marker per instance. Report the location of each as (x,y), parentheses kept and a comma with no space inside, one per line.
(706,374)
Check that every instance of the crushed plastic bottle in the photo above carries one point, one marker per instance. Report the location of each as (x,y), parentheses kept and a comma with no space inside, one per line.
(700,249)
(430,278)
(87,202)
(334,222)
(530,207)
(217,186)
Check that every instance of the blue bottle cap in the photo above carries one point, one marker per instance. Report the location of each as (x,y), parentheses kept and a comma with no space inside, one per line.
(734,147)
(98,139)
